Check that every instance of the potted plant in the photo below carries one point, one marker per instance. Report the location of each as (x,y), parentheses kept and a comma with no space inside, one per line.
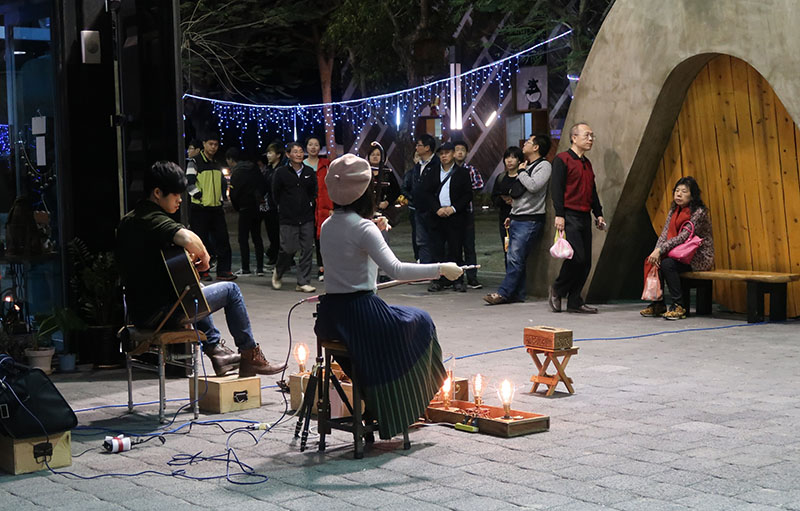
(67,322)
(40,354)
(95,283)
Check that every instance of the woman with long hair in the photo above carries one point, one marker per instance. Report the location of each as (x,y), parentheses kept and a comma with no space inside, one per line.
(394,349)
(687,214)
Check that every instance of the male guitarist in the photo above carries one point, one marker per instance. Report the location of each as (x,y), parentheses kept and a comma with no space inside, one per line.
(141,236)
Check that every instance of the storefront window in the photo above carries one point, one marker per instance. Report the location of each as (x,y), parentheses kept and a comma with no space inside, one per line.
(30,263)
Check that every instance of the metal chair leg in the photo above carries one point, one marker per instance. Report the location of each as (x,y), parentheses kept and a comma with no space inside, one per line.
(162,384)
(196,379)
(130,382)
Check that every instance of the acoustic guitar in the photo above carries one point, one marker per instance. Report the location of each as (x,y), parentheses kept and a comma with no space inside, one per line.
(184,277)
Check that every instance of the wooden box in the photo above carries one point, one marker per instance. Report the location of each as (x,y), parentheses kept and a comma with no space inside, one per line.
(228,394)
(16,455)
(547,337)
(492,423)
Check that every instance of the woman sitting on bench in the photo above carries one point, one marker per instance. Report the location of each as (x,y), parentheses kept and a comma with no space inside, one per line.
(394,350)
(687,207)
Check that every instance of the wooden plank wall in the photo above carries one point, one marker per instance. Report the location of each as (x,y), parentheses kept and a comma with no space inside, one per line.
(735,137)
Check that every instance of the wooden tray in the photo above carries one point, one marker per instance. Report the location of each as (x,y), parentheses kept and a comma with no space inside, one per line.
(521,423)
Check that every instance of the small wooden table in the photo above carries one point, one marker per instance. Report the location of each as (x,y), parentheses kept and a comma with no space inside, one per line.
(552,357)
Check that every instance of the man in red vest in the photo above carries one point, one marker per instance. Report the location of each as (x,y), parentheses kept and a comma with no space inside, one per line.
(574,195)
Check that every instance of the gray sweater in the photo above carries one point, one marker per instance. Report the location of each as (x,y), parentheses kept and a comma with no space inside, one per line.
(535,181)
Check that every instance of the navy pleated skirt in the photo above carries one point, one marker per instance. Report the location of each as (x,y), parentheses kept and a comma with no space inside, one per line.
(395,353)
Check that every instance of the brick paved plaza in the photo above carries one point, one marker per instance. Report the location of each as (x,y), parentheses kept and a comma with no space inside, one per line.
(703,419)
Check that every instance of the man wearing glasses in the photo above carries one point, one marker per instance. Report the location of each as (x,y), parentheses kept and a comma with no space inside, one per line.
(574,195)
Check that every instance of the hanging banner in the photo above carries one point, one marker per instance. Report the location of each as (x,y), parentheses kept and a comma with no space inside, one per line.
(531,88)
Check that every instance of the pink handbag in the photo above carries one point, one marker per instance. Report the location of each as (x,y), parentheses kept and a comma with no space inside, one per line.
(684,253)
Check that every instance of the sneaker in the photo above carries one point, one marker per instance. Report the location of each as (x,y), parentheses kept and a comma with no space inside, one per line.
(305,288)
(474,284)
(495,299)
(259,273)
(276,280)
(435,287)
(225,275)
(243,273)
(321,277)
(205,276)
(654,310)
(459,287)
(675,312)
(253,363)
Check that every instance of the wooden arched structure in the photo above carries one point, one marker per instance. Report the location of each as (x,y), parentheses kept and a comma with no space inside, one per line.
(736,138)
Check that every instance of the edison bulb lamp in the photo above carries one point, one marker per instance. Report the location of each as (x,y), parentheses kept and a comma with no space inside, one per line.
(506,393)
(478,385)
(447,387)
(301,355)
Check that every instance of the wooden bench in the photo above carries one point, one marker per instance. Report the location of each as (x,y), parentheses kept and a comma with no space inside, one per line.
(758,284)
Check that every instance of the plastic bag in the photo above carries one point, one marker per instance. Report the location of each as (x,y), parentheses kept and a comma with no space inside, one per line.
(561,248)
(506,240)
(652,286)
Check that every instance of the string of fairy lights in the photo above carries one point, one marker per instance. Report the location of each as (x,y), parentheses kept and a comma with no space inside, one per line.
(396,108)
(5,143)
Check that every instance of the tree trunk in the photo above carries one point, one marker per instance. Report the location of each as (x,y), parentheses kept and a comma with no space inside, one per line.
(325,63)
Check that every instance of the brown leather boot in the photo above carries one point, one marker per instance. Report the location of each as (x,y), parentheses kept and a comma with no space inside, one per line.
(223,360)
(253,363)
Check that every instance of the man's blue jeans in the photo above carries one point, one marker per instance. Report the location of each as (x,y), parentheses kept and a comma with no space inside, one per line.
(226,295)
(522,235)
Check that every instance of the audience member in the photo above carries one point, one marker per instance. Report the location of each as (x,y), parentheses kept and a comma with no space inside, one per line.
(208,188)
(269,209)
(295,189)
(501,191)
(423,208)
(574,195)
(449,191)
(688,214)
(526,219)
(247,196)
(324,207)
(470,257)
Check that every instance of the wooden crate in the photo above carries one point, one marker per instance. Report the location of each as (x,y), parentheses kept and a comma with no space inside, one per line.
(228,394)
(16,455)
(547,337)
(520,423)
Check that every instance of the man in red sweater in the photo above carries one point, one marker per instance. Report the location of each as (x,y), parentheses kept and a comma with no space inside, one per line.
(574,195)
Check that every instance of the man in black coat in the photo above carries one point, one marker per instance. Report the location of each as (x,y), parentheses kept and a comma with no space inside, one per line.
(247,191)
(448,190)
(295,190)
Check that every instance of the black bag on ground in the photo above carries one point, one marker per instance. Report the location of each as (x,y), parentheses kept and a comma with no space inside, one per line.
(21,385)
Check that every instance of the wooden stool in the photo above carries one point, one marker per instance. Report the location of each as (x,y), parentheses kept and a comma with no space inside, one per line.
(156,341)
(361,432)
(552,357)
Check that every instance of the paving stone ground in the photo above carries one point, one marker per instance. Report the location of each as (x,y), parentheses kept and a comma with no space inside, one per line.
(702,415)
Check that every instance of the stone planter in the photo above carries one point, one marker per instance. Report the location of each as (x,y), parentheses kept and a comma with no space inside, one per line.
(41,358)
